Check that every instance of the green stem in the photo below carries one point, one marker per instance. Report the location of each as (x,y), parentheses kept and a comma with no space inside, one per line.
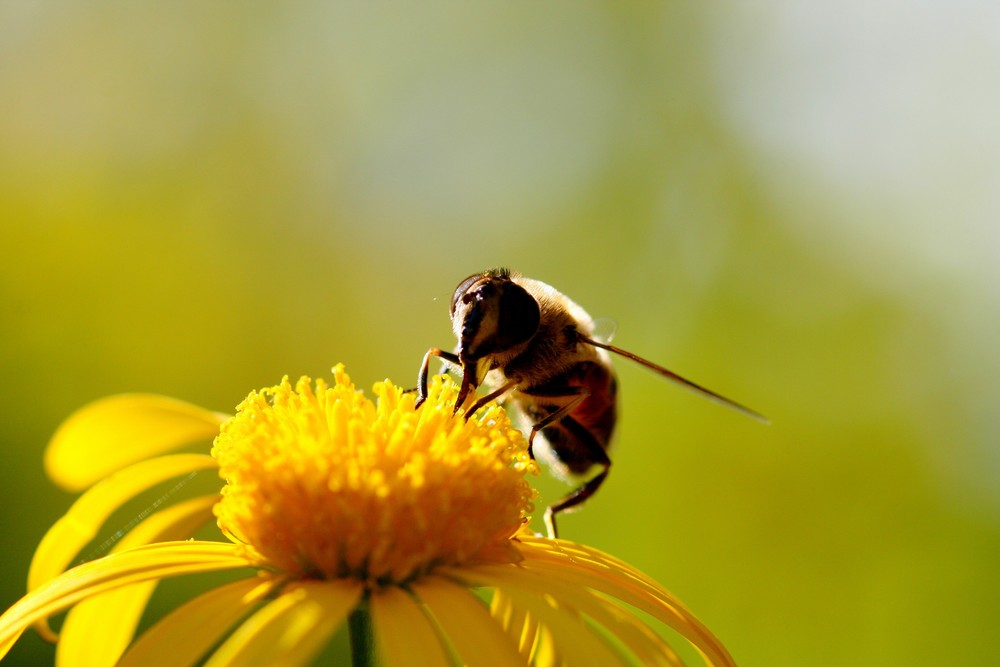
(359,625)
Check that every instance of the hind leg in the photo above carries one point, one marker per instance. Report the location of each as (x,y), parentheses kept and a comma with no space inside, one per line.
(584,450)
(572,500)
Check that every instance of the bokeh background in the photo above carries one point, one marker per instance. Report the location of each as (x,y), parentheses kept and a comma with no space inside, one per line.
(795,204)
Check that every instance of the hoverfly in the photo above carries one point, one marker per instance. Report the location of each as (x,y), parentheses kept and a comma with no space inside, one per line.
(528,342)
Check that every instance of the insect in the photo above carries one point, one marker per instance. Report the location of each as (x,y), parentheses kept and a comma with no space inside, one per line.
(534,347)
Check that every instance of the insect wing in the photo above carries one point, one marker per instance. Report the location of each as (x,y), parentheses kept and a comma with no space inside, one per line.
(605,329)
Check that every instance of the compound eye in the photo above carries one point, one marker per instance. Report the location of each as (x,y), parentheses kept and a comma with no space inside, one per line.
(462,292)
(519,317)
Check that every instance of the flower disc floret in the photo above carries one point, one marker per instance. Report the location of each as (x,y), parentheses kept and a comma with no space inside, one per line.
(322,482)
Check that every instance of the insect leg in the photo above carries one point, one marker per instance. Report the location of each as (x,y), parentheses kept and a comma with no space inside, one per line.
(598,456)
(480,402)
(425,365)
(573,499)
(574,392)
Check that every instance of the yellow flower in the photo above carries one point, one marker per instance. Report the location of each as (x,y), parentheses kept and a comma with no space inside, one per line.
(406,525)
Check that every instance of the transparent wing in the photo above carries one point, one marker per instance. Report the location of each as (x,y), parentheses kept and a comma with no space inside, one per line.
(605,329)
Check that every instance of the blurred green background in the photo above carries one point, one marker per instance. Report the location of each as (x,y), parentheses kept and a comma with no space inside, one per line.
(795,205)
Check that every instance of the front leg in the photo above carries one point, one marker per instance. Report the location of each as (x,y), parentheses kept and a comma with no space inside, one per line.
(450,357)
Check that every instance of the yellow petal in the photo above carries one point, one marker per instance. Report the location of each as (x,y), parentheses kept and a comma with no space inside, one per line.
(516,621)
(545,653)
(174,523)
(80,524)
(648,647)
(185,635)
(156,561)
(113,432)
(290,630)
(574,641)
(406,637)
(87,638)
(574,563)
(466,622)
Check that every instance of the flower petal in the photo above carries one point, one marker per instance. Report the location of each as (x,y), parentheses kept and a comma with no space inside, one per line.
(591,568)
(87,638)
(113,432)
(292,628)
(155,561)
(406,636)
(185,635)
(648,647)
(518,623)
(467,623)
(80,524)
(575,642)
(555,607)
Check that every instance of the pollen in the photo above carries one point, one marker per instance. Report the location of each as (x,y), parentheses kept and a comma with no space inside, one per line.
(323,482)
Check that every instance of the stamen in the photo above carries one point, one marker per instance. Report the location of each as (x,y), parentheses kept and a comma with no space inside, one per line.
(323,482)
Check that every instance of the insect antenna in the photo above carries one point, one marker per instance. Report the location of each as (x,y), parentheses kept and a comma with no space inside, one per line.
(684,382)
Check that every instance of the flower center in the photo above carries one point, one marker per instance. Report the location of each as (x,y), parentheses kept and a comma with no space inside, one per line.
(322,482)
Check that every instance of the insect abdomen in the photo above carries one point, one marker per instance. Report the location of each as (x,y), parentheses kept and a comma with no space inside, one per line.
(580,439)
